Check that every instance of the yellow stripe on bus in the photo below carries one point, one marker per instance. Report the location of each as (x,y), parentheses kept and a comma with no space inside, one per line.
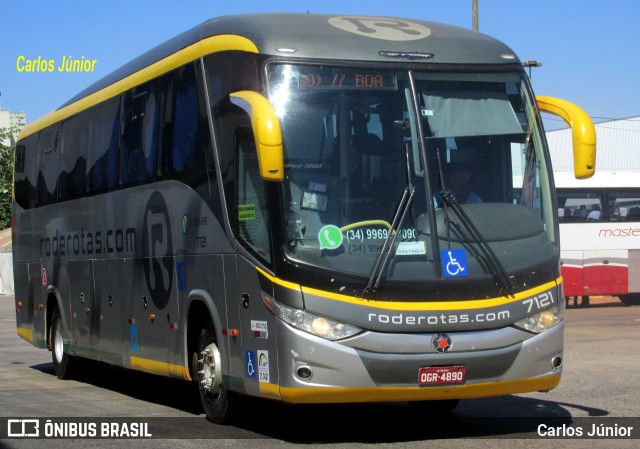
(275,280)
(191,53)
(159,368)
(384,394)
(26,334)
(268,390)
(407,306)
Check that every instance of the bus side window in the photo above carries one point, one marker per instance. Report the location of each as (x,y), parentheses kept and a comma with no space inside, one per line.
(25,183)
(633,214)
(251,206)
(104,121)
(624,204)
(73,157)
(138,146)
(182,147)
(47,179)
(581,206)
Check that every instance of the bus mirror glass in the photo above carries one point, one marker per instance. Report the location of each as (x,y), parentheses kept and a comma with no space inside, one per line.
(266,131)
(583,133)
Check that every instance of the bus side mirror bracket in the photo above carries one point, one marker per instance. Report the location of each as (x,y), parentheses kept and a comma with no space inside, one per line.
(266,131)
(583,133)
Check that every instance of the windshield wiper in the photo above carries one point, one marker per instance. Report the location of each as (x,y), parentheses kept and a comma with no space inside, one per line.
(492,259)
(392,236)
(389,243)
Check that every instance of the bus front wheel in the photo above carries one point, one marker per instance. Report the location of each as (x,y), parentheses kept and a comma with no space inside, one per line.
(63,363)
(218,403)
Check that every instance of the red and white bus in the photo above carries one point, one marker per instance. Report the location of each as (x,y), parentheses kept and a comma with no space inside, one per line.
(600,234)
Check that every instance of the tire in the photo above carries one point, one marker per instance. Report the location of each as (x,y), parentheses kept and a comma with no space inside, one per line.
(220,405)
(435,407)
(631,299)
(63,363)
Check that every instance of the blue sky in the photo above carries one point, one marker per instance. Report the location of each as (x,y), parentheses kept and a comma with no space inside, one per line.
(588,49)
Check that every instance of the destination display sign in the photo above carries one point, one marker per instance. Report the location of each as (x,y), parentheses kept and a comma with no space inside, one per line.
(330,78)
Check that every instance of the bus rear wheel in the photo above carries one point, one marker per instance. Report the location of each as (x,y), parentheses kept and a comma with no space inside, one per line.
(631,299)
(63,363)
(219,404)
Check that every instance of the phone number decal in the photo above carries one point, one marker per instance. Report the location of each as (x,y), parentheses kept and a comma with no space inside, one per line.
(360,235)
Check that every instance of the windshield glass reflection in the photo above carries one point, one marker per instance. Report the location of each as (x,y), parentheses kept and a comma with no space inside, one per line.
(352,147)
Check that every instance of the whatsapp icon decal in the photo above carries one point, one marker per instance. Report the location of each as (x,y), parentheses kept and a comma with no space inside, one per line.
(330,237)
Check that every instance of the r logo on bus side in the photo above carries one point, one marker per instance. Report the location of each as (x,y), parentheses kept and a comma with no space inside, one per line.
(157,249)
(381,28)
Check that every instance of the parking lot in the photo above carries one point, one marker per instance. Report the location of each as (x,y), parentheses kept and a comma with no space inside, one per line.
(599,385)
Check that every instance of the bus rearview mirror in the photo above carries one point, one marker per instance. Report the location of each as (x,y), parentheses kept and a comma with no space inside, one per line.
(266,131)
(583,133)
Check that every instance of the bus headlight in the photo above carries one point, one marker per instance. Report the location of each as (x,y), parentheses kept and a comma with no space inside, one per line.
(544,320)
(316,325)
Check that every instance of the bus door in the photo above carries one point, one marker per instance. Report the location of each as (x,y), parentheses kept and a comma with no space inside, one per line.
(85,316)
(29,315)
(259,360)
(634,271)
(254,232)
(25,298)
(112,328)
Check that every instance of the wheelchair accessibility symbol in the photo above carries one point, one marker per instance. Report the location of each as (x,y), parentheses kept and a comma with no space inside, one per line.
(454,263)
(250,363)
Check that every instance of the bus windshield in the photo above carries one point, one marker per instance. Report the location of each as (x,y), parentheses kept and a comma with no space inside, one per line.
(359,142)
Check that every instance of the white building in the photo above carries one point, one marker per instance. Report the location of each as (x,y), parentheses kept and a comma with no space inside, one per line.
(617,147)
(12,121)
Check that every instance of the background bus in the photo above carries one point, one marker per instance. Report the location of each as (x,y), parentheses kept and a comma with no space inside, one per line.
(600,234)
(264,209)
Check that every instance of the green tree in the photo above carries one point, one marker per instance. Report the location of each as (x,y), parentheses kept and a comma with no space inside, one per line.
(6,177)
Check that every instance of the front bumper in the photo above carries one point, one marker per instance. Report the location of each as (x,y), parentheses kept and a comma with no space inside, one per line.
(375,367)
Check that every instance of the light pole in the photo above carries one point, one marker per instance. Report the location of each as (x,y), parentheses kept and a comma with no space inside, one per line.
(474,12)
(531,63)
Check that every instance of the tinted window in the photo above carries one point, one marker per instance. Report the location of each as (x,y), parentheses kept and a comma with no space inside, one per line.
(623,205)
(73,157)
(47,178)
(182,156)
(26,155)
(580,206)
(103,143)
(138,149)
(251,205)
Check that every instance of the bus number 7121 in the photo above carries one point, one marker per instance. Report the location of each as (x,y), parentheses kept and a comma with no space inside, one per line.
(540,301)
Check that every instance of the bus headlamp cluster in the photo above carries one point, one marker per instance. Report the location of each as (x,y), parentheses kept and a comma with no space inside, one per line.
(316,325)
(543,321)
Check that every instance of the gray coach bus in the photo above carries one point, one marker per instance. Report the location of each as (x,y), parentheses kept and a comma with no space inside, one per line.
(320,212)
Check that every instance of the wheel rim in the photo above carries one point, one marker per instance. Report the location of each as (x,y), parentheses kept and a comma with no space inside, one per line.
(58,344)
(210,371)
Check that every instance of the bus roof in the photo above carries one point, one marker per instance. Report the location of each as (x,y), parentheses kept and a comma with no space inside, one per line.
(317,36)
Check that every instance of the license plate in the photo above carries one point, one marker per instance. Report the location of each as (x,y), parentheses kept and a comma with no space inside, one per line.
(438,375)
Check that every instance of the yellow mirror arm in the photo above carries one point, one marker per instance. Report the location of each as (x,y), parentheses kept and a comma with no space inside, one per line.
(582,131)
(266,131)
